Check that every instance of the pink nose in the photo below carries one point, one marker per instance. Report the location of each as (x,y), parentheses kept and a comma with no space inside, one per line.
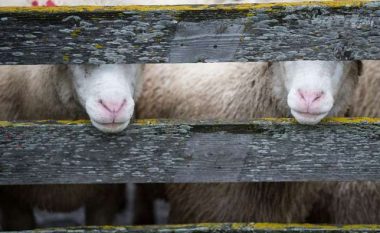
(309,97)
(113,107)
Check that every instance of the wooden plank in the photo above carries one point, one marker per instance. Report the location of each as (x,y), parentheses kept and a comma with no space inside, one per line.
(224,228)
(167,151)
(328,30)
(22,3)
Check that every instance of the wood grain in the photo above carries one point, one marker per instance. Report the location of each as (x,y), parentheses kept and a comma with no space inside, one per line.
(176,152)
(332,30)
(225,228)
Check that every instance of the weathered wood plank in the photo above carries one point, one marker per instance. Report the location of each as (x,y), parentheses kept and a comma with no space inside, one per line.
(23,3)
(224,228)
(332,30)
(165,151)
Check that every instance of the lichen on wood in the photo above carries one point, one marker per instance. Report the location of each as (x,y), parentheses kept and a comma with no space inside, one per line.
(223,228)
(328,30)
(201,151)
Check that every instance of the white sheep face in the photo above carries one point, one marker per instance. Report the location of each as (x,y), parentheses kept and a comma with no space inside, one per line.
(312,87)
(106,92)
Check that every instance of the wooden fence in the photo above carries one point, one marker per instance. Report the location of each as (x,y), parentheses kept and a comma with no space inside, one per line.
(331,30)
(51,152)
(177,152)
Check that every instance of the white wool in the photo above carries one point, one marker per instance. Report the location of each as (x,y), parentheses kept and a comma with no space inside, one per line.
(242,91)
(107,85)
(326,85)
(66,92)
(366,98)
(105,92)
(246,90)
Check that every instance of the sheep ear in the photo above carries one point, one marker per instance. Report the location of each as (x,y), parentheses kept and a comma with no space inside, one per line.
(360,67)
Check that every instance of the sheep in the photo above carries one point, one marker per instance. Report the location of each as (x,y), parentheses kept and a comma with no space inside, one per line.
(365,100)
(105,93)
(358,202)
(354,203)
(308,90)
(248,90)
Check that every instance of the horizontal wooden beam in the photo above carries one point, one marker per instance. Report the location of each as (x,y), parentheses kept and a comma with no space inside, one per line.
(225,228)
(326,30)
(171,151)
(23,3)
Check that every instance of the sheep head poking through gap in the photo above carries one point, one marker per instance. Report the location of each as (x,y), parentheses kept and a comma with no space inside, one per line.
(315,89)
(107,93)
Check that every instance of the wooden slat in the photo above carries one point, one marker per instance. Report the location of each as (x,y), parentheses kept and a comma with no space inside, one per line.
(167,151)
(329,30)
(23,3)
(225,228)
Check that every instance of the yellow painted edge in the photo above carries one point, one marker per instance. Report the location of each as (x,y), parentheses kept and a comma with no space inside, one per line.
(234,226)
(353,120)
(146,121)
(41,122)
(67,122)
(261,226)
(247,6)
(141,122)
(70,122)
(279,226)
(328,120)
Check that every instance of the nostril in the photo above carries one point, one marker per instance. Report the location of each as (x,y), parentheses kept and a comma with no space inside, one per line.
(104,105)
(318,95)
(124,102)
(301,94)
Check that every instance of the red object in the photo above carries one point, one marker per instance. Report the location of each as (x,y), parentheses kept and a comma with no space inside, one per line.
(35,3)
(50,3)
